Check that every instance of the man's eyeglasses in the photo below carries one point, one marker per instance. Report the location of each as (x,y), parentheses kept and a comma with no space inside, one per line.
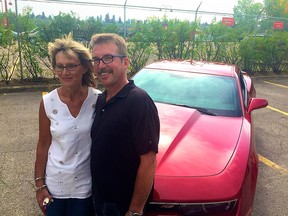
(69,67)
(106,59)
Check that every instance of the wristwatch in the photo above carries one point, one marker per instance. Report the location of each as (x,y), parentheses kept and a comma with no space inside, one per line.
(130,213)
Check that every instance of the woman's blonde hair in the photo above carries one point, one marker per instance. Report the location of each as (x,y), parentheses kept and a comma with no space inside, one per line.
(73,49)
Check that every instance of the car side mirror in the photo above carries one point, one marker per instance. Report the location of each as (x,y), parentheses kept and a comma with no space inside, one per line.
(257,103)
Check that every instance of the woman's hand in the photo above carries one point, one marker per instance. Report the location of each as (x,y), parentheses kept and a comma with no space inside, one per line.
(42,196)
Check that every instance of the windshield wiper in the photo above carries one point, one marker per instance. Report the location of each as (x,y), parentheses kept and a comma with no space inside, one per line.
(203,110)
(200,109)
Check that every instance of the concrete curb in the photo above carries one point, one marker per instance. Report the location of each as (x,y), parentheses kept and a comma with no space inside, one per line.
(270,76)
(28,88)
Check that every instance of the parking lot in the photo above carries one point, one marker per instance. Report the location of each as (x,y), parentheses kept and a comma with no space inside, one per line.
(18,136)
(271,129)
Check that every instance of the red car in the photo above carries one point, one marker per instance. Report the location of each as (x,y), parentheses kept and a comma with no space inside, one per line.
(207,161)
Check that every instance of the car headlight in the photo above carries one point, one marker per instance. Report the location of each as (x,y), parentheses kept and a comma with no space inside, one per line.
(191,209)
(220,207)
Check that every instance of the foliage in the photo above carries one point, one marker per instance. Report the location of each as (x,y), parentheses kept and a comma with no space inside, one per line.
(88,28)
(208,42)
(30,60)
(139,55)
(178,43)
(140,49)
(155,34)
(9,57)
(276,8)
(247,15)
(276,48)
(33,47)
(265,54)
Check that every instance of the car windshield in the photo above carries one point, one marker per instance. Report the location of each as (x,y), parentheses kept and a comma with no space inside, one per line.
(209,94)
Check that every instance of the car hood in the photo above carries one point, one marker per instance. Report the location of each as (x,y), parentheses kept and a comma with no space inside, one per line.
(194,144)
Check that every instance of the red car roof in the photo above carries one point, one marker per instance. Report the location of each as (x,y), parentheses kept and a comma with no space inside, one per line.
(212,68)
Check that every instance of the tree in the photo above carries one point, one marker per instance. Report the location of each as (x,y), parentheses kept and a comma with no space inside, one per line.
(140,49)
(107,18)
(25,22)
(157,34)
(8,55)
(247,15)
(91,26)
(276,8)
(214,42)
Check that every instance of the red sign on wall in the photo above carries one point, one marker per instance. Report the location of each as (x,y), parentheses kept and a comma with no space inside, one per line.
(278,25)
(228,21)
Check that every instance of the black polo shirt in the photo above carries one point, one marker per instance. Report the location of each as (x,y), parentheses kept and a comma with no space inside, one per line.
(124,128)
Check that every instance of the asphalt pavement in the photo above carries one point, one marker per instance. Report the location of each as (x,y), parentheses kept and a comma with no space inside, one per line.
(18,137)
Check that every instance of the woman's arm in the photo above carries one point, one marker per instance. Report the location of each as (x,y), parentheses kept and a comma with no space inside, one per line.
(44,142)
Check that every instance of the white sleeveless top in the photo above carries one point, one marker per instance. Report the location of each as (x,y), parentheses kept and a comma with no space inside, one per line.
(68,165)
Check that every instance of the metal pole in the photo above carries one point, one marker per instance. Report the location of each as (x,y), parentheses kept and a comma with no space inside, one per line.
(125,31)
(18,39)
(195,19)
(6,12)
(257,22)
(197,11)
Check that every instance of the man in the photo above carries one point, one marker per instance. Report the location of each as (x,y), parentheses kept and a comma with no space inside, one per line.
(125,134)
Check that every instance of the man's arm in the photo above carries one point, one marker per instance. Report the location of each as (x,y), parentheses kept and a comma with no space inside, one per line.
(144,182)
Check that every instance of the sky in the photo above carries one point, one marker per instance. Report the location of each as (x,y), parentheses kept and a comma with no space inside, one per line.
(135,9)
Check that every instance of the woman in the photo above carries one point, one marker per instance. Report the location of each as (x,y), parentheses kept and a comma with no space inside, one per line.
(62,167)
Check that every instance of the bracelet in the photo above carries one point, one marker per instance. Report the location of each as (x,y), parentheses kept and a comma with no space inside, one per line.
(131,213)
(40,188)
(39,178)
